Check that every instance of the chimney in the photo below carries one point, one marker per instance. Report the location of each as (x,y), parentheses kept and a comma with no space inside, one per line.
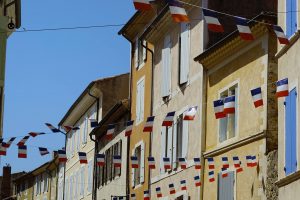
(6,182)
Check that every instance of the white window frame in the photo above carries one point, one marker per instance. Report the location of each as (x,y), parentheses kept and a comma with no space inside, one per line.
(142,165)
(139,114)
(181,54)
(139,65)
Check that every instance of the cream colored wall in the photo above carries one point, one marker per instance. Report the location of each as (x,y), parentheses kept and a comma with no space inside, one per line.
(290,192)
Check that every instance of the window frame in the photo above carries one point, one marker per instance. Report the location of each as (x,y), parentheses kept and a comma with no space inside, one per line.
(140,53)
(141,168)
(141,115)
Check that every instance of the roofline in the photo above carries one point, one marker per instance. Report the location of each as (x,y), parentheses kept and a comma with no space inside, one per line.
(129,22)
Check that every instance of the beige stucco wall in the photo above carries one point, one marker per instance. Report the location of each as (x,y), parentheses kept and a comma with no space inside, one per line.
(290,191)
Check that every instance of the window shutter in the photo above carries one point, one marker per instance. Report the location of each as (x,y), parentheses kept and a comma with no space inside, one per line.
(90,175)
(142,96)
(166,67)
(226,186)
(185,138)
(132,171)
(71,187)
(174,148)
(144,50)
(170,143)
(184,52)
(163,149)
(82,182)
(142,171)
(42,183)
(136,54)
(138,102)
(67,188)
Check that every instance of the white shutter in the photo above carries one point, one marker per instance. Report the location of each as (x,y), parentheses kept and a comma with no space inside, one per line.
(42,183)
(162,150)
(132,171)
(166,67)
(185,138)
(90,176)
(142,99)
(174,150)
(66,188)
(71,187)
(138,102)
(142,170)
(184,52)
(144,50)
(170,143)
(136,54)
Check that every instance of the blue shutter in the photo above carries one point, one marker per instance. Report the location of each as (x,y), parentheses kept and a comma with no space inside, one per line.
(291,17)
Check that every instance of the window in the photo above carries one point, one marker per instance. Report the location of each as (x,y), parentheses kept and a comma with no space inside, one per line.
(90,176)
(228,124)
(291,132)
(45,179)
(166,68)
(85,129)
(291,17)
(140,53)
(77,133)
(184,53)
(138,174)
(117,149)
(140,93)
(226,186)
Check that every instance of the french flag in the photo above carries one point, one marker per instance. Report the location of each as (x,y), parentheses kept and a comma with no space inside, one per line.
(225,162)
(244,29)
(212,21)
(22,151)
(70,128)
(52,128)
(158,192)
(151,162)
(43,151)
(211,163)
(182,163)
(62,157)
(167,163)
(100,160)
(197,163)
(183,186)
(34,134)
(9,142)
(168,121)
(219,109)
(23,141)
(149,124)
(229,105)
(82,158)
(190,113)
(117,161)
(142,5)
(172,188)
(134,162)
(224,172)
(280,35)
(110,131)
(197,181)
(211,176)
(254,161)
(177,11)
(282,88)
(237,164)
(94,123)
(2,149)
(129,126)
(257,97)
(251,161)
(146,195)
(133,197)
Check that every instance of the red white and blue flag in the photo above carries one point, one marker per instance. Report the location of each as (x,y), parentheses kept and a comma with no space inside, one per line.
(133,197)
(177,11)
(167,163)
(149,124)
(70,128)
(129,126)
(34,134)
(211,176)
(211,163)
(190,114)
(197,181)
(168,121)
(251,161)
(182,163)
(158,192)
(52,128)
(142,5)
(225,162)
(22,151)
(2,149)
(183,186)
(197,163)
(82,158)
(23,141)
(100,159)
(244,29)
(94,123)
(172,188)
(224,172)
(151,162)
(213,23)
(219,109)
(229,105)
(43,151)
(9,142)
(117,161)
(134,162)
(62,157)
(237,164)
(282,88)
(257,97)
(146,195)
(110,131)
(280,35)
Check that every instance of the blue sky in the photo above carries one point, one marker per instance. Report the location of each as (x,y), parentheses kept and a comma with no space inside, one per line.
(47,71)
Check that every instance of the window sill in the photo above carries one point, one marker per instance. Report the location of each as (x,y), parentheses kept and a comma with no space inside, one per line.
(288,179)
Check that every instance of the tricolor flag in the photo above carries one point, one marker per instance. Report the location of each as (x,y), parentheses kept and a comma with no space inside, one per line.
(9,142)
(224,172)
(43,151)
(197,163)
(134,162)
(172,188)
(158,192)
(177,11)
(82,158)
(94,123)
(133,197)
(62,157)
(219,109)
(211,176)
(251,161)
(280,35)
(2,149)
(244,29)
(70,128)
(34,134)
(236,162)
(110,131)
(229,105)
(254,161)
(149,124)
(211,163)
(129,126)
(151,162)
(168,121)
(225,162)
(167,163)
(182,163)
(183,186)
(282,88)
(190,113)
(100,159)
(52,128)
(212,21)
(142,5)
(146,195)
(197,181)
(257,97)
(22,151)
(23,141)
(117,161)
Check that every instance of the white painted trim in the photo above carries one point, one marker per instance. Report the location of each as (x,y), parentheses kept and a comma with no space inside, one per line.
(142,79)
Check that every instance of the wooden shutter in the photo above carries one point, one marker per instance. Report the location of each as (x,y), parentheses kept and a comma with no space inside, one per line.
(163,149)
(185,138)
(184,53)
(142,167)
(226,186)
(166,67)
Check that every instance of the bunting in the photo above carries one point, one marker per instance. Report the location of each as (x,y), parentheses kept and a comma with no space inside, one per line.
(244,29)
(142,5)
(62,157)
(110,131)
(134,162)
(197,163)
(211,176)
(190,114)
(23,141)
(182,163)
(212,21)
(158,192)
(43,151)
(2,149)
(151,162)
(280,35)
(219,109)
(257,97)
(225,162)
(70,128)
(224,172)
(117,161)
(282,88)
(183,186)
(197,181)
(177,11)
(229,105)
(172,188)
(52,128)
(149,124)
(146,195)
(129,126)
(100,160)
(82,158)
(94,123)
(9,142)
(22,151)
(34,134)
(167,163)
(211,163)
(168,121)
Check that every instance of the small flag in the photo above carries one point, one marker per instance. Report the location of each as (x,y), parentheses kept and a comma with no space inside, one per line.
(110,131)
(22,151)
(211,163)
(146,195)
(251,161)
(2,149)
(211,176)
(244,29)
(167,163)
(212,21)
(229,105)
(149,124)
(43,151)
(282,88)
(62,158)
(224,172)
(168,121)
(100,159)
(70,128)
(197,181)
(34,134)
(94,123)
(117,161)
(236,162)
(52,128)
(182,163)
(9,142)
(280,35)
(225,162)
(133,197)
(190,113)
(151,162)
(183,186)
(172,188)
(177,11)
(158,192)
(257,97)
(254,161)
(129,126)
(197,163)
(82,158)
(219,109)
(23,141)
(142,5)
(134,162)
